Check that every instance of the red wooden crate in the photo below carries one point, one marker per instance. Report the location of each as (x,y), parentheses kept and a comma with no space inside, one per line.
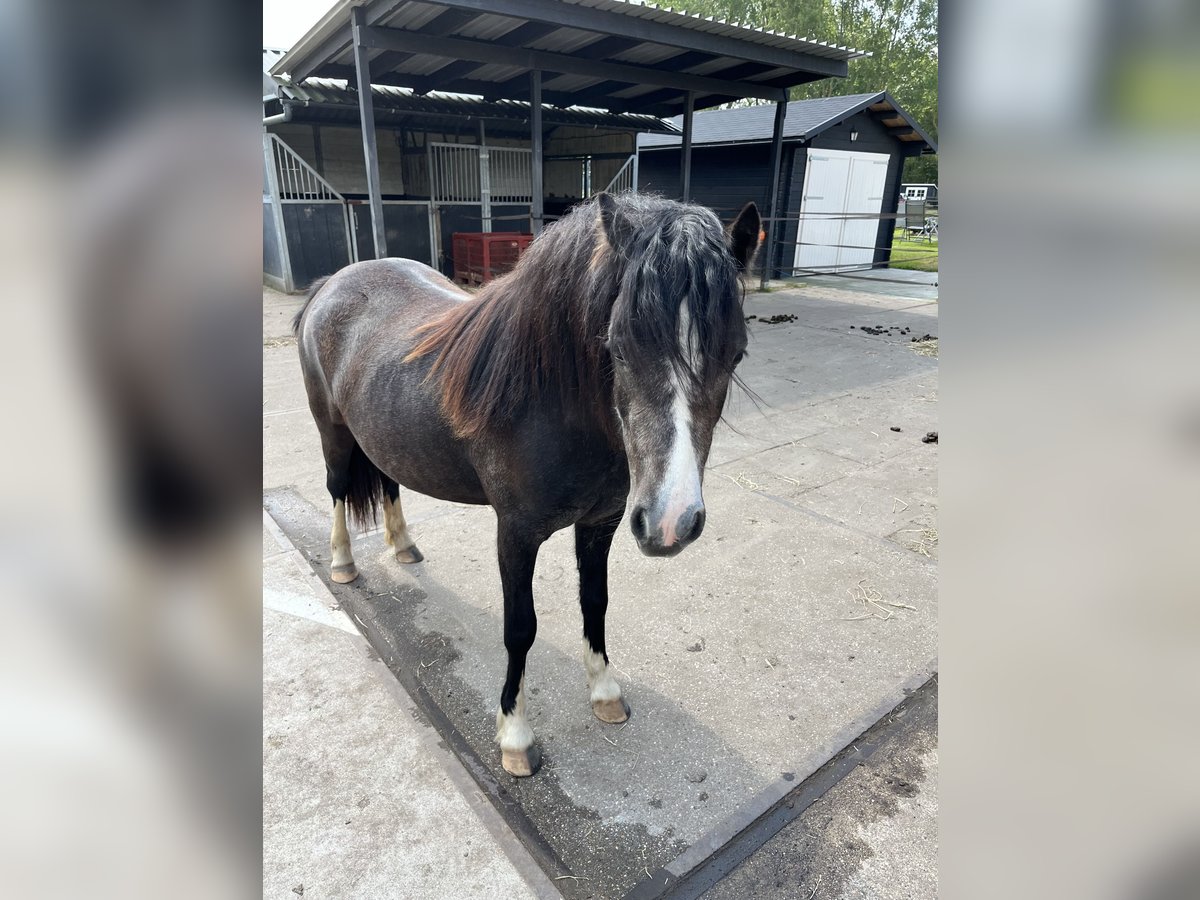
(481,256)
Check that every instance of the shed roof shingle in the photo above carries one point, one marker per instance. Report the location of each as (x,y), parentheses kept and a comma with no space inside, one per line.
(749,124)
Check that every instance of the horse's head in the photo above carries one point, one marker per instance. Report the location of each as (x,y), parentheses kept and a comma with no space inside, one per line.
(675,336)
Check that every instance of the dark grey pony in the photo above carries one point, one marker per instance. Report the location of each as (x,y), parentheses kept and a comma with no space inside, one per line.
(602,361)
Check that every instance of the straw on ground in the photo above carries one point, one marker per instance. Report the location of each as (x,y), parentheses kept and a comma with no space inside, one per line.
(872,600)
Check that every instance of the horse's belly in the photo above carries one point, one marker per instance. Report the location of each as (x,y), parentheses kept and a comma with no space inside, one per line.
(459,489)
(428,467)
(399,426)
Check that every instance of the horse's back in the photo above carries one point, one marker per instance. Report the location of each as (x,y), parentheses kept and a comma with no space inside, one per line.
(380,291)
(370,306)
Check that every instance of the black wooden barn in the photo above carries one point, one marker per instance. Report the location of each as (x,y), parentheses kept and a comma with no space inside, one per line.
(843,159)
(556,59)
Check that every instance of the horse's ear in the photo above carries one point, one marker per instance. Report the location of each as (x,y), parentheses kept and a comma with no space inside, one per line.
(743,235)
(617,227)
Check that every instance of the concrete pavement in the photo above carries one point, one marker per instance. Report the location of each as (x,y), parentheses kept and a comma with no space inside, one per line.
(805,613)
(360,799)
(901,283)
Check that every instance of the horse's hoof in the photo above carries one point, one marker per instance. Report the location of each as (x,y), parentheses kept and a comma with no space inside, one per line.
(521,763)
(612,712)
(343,574)
(409,555)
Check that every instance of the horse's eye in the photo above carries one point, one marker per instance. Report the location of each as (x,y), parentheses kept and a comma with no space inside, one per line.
(737,359)
(616,354)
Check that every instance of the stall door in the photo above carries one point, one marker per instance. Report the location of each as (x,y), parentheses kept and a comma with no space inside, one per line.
(839,213)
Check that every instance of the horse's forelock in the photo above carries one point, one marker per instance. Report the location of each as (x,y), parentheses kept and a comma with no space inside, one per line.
(679,263)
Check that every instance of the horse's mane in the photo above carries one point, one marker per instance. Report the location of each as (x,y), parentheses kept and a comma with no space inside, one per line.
(540,330)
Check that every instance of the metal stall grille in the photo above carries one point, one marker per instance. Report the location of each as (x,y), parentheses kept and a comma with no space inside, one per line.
(454,173)
(511,171)
(470,173)
(479,175)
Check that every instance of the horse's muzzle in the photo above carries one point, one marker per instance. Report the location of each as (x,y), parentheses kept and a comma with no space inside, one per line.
(666,538)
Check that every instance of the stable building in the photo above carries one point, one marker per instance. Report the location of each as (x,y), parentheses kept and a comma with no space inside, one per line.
(475,113)
(842,164)
(448,164)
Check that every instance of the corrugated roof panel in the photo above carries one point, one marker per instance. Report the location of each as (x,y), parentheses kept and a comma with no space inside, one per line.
(712,65)
(563,40)
(770,73)
(647,53)
(636,91)
(497,72)
(422,64)
(488,27)
(695,22)
(395,100)
(412,16)
(570,83)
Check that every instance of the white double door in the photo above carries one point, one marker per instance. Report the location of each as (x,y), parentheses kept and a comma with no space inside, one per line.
(839,214)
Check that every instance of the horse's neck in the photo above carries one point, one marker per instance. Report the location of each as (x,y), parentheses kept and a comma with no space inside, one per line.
(580,320)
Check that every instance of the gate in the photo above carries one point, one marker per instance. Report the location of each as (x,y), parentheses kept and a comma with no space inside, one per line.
(309,232)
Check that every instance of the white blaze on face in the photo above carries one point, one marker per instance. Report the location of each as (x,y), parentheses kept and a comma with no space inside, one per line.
(681,481)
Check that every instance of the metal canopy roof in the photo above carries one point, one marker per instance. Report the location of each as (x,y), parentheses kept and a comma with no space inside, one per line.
(805,120)
(329,100)
(333,101)
(602,54)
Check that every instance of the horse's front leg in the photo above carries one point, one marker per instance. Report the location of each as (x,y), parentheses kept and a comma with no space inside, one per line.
(518,554)
(592,543)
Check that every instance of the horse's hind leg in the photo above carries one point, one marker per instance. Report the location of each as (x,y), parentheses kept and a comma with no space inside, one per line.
(592,543)
(395,529)
(339,447)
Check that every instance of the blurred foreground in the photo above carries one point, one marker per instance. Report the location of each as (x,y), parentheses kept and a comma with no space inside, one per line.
(129,668)
(130,678)
(1070,474)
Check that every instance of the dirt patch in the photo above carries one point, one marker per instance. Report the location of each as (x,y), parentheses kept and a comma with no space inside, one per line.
(927,345)
(779,319)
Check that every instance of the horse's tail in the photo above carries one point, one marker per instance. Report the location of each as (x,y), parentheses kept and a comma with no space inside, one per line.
(365,491)
(313,290)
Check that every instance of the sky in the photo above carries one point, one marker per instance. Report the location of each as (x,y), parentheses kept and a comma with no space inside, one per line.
(285,21)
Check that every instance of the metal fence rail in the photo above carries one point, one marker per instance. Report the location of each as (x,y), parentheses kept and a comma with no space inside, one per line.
(298,180)
(626,177)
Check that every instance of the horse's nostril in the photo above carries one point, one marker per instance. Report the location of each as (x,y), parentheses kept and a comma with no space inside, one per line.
(639,523)
(691,524)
